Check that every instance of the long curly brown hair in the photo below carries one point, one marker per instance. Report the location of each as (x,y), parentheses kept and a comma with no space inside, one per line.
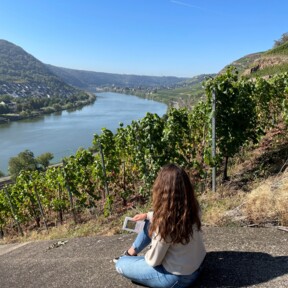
(176,209)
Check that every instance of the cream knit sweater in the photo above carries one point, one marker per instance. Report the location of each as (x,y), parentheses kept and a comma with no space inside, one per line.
(177,259)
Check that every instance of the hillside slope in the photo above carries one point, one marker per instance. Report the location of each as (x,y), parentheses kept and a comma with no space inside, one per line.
(271,62)
(265,63)
(91,80)
(244,62)
(22,75)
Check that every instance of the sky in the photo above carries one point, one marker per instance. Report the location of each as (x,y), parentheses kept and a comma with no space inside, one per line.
(181,38)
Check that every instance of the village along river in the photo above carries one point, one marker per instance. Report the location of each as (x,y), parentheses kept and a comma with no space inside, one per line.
(64,132)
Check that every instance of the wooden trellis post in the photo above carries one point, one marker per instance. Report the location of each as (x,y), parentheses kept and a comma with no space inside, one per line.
(13,212)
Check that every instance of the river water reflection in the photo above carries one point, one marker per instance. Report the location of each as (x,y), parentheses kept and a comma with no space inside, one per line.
(63,133)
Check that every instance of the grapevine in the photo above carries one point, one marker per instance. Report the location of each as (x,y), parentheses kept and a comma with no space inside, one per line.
(125,163)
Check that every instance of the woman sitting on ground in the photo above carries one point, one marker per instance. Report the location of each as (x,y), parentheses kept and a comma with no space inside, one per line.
(173,230)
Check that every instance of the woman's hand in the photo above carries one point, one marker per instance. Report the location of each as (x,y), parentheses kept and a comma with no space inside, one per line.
(139,217)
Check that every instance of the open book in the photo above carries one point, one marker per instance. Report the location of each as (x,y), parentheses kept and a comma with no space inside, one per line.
(133,226)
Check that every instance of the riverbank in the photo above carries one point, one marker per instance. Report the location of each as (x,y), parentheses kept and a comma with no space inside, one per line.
(6,180)
(34,114)
(6,118)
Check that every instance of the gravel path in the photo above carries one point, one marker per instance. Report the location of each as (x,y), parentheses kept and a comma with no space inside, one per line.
(237,257)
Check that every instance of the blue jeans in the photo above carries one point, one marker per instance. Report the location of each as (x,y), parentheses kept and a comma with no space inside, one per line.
(136,269)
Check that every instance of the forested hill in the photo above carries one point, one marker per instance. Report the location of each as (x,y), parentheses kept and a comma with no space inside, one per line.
(22,75)
(91,80)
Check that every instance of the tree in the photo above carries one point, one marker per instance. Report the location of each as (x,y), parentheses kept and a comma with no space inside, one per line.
(26,161)
(44,159)
(282,40)
(4,108)
(1,174)
(23,161)
(6,98)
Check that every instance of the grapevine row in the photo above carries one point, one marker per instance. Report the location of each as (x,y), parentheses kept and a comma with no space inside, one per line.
(125,163)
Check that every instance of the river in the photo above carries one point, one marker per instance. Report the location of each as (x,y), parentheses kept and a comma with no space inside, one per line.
(64,132)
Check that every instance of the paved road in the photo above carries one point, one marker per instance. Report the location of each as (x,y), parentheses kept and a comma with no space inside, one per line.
(237,257)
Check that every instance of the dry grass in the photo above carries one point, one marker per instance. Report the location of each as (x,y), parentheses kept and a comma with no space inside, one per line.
(100,226)
(88,226)
(265,204)
(268,202)
(257,192)
(215,207)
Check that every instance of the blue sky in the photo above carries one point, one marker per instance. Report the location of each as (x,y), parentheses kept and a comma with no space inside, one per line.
(143,37)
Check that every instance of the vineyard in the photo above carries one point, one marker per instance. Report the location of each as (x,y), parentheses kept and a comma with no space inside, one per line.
(123,164)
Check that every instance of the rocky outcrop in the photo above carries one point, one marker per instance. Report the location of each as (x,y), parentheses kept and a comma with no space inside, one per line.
(264,62)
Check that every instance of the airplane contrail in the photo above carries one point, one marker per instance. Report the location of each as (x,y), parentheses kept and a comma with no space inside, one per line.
(184,4)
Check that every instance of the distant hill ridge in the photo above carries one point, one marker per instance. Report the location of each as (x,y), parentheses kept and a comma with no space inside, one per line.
(22,75)
(262,63)
(17,63)
(90,79)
